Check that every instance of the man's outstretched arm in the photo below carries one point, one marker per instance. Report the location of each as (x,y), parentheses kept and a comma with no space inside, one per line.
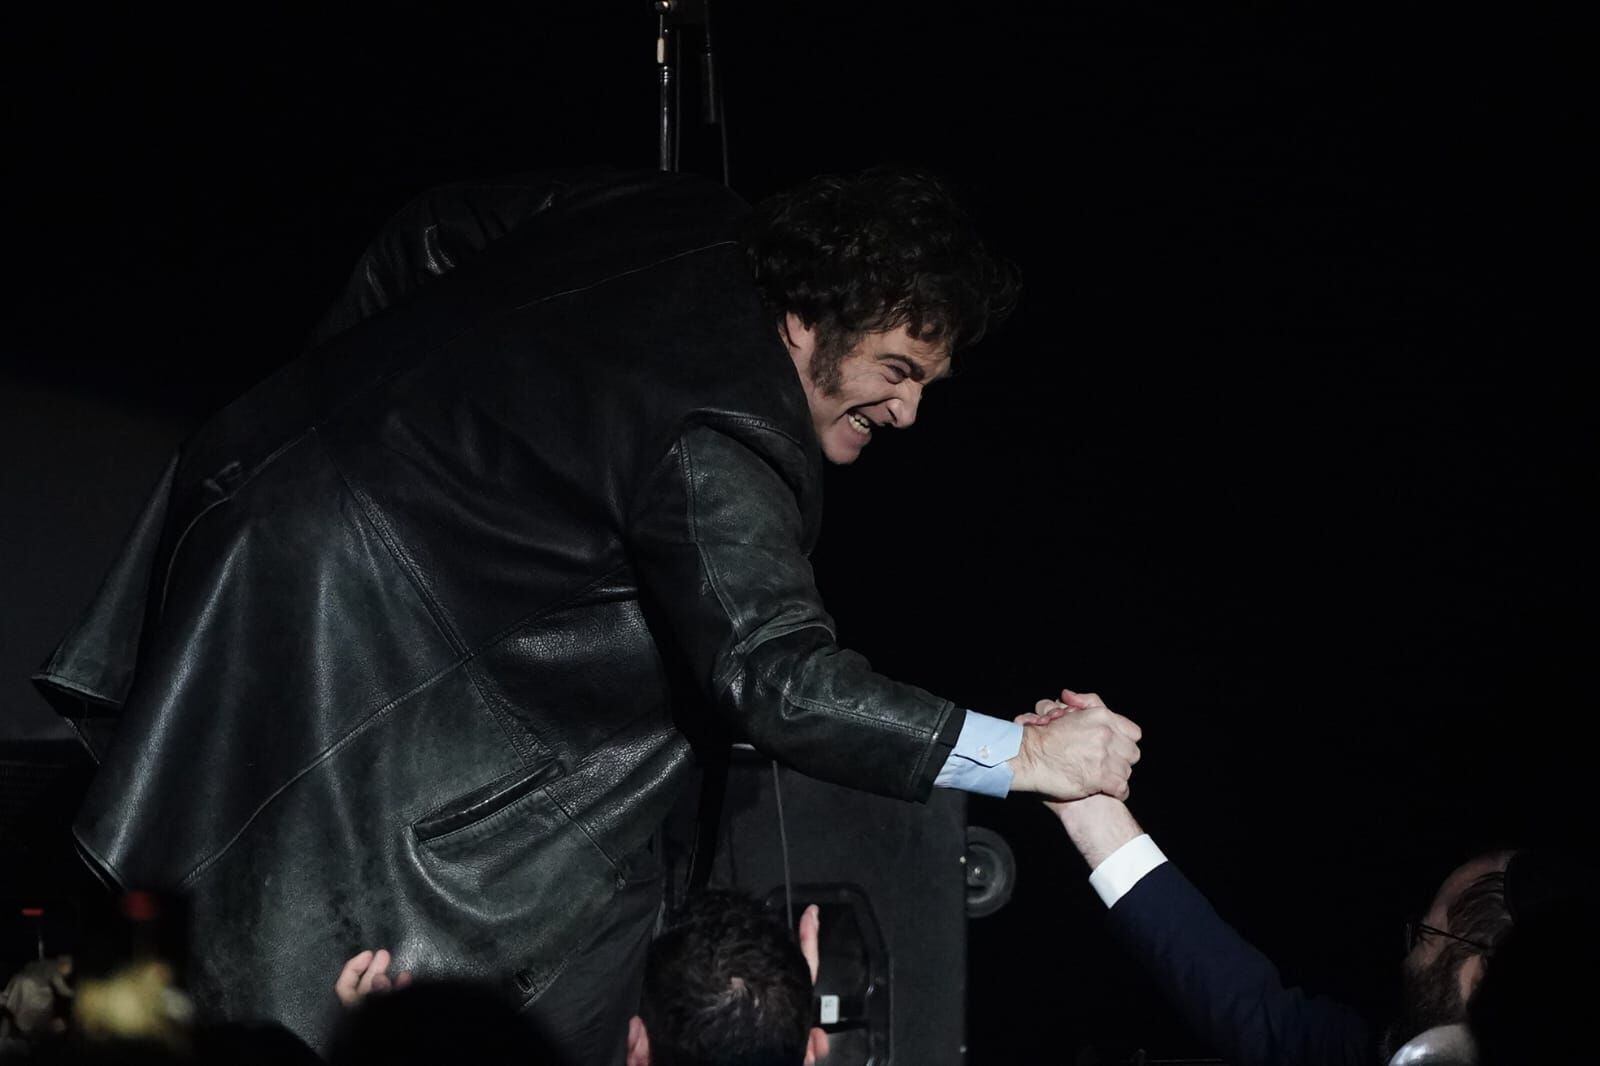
(1230,994)
(717,543)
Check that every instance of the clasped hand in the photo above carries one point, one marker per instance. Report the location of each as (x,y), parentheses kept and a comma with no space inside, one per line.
(1075,747)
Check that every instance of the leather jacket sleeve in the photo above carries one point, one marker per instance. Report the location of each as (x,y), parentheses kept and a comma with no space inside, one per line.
(717,540)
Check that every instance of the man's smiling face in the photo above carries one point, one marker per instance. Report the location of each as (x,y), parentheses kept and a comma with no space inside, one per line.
(876,385)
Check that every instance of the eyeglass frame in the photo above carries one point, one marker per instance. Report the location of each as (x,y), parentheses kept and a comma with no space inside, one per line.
(1416,929)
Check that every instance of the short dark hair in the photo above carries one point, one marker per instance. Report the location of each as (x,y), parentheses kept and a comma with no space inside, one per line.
(874,251)
(725,985)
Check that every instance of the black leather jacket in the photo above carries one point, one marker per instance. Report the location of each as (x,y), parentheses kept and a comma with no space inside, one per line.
(405,645)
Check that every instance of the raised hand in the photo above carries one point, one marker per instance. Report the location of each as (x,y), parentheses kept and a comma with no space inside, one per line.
(366,973)
(810,931)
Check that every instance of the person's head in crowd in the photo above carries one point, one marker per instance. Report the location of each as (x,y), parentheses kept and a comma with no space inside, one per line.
(1450,947)
(725,985)
(1533,1004)
(438,1022)
(253,1043)
(135,1014)
(35,1003)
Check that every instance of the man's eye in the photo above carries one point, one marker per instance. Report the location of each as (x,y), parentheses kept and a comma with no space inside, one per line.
(897,373)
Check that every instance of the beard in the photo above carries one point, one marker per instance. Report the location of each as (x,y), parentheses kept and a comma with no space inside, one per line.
(1430,996)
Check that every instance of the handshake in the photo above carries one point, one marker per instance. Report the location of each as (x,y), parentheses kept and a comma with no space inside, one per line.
(1075,747)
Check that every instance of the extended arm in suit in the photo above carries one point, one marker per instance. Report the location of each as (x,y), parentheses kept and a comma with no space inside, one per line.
(1230,994)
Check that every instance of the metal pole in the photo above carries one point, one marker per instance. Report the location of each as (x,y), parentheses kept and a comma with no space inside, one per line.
(667,134)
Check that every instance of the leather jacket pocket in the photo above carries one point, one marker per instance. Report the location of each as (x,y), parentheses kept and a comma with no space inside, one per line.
(514,887)
(483,802)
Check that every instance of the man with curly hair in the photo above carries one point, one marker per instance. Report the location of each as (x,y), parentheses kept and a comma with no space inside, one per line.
(415,641)
(875,282)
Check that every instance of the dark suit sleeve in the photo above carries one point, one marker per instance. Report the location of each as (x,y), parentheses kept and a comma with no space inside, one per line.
(1230,994)
(717,544)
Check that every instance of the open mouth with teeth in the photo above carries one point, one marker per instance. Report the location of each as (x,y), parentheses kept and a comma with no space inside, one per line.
(862,424)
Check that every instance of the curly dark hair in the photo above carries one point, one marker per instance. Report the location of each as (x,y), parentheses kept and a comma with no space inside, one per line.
(726,985)
(875,251)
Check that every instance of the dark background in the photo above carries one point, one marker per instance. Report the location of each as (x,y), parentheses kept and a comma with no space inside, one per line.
(1284,453)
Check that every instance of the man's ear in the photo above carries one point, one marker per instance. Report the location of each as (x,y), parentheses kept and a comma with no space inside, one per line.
(800,338)
(1468,976)
(638,1042)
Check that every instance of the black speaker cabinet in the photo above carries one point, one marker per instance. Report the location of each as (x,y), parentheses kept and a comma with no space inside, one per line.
(890,879)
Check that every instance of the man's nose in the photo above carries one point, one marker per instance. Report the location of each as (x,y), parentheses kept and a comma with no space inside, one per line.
(903,408)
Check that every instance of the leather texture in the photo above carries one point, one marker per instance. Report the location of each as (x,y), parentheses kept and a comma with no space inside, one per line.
(408,646)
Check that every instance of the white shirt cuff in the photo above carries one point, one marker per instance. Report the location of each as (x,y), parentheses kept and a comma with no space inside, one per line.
(1124,868)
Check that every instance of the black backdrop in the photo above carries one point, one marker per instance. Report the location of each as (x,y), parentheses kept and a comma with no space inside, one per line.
(1284,453)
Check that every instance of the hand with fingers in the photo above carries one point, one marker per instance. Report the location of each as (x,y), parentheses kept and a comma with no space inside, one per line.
(810,933)
(1100,824)
(366,973)
(1077,747)
(1046,711)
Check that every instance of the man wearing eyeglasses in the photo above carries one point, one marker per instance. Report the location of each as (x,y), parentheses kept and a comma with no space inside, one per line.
(1232,996)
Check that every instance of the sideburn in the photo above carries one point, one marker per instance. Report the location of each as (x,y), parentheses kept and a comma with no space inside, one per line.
(828,355)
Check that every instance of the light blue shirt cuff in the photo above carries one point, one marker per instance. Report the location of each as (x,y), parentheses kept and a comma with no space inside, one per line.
(978,763)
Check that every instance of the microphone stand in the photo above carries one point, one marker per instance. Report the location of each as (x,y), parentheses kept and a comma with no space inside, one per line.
(672,18)
(667,84)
